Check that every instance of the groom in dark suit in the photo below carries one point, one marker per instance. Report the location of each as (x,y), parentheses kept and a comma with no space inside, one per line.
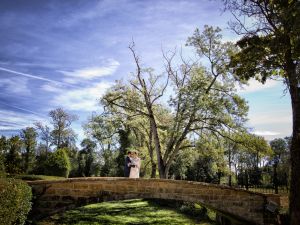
(127,164)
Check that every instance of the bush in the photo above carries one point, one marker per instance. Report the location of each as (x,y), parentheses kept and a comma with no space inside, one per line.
(58,163)
(15,196)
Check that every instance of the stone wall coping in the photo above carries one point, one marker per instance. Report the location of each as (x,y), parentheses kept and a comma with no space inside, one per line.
(83,179)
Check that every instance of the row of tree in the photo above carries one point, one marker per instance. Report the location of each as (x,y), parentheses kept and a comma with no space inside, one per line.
(197,134)
(48,150)
(204,104)
(245,162)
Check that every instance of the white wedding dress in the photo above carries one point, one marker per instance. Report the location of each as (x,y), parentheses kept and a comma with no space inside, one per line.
(135,171)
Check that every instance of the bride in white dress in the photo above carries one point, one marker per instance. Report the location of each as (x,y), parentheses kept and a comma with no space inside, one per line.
(135,166)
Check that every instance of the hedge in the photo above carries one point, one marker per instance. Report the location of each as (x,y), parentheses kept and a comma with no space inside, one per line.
(15,197)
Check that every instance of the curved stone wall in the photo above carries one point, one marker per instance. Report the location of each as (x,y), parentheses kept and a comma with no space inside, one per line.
(59,195)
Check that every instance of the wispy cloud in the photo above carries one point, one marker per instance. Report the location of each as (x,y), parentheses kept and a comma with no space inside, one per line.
(21,109)
(265,133)
(254,86)
(15,86)
(91,72)
(82,99)
(16,120)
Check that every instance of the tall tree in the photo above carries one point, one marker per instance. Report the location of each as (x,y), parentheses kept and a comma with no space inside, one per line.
(45,135)
(88,149)
(62,134)
(203,100)
(270,47)
(13,158)
(28,136)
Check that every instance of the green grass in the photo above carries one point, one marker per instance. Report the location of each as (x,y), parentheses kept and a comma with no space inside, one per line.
(35,177)
(135,211)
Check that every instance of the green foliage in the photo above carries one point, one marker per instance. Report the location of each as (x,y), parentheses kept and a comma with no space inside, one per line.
(58,163)
(29,136)
(13,160)
(269,41)
(40,166)
(15,197)
(87,157)
(108,168)
(204,99)
(2,167)
(202,170)
(182,163)
(125,143)
(62,135)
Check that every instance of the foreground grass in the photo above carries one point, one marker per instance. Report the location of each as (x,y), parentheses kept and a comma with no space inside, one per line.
(122,212)
(34,177)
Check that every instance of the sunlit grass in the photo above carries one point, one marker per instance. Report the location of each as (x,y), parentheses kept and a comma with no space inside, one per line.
(35,177)
(122,212)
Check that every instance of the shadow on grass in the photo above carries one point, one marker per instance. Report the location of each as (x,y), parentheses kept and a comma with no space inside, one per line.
(135,211)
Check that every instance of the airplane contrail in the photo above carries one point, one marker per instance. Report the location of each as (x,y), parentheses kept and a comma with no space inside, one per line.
(34,77)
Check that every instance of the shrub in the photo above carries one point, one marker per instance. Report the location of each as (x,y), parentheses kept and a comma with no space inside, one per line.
(58,163)
(15,196)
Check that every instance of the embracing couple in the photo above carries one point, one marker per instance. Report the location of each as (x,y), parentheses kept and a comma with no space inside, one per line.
(132,165)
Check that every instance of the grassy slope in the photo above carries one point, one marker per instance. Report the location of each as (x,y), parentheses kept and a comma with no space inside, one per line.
(122,212)
(35,177)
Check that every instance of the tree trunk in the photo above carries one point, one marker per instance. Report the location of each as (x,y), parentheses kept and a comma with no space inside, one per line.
(275,179)
(295,153)
(26,166)
(160,163)
(229,165)
(150,149)
(246,179)
(153,169)
(294,88)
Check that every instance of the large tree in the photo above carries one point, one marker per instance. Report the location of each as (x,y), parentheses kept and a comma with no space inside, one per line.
(202,99)
(62,134)
(270,47)
(45,135)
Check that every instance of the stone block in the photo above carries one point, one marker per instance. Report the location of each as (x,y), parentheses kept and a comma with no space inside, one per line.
(95,186)
(81,186)
(63,192)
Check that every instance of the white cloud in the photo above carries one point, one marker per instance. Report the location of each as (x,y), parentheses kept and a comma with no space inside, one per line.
(51,88)
(82,99)
(265,133)
(278,117)
(254,86)
(91,72)
(16,120)
(15,85)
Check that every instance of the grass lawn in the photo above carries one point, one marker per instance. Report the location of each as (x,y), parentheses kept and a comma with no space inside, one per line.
(34,177)
(135,211)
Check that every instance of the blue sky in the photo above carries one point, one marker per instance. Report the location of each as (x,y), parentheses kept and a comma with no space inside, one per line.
(66,53)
